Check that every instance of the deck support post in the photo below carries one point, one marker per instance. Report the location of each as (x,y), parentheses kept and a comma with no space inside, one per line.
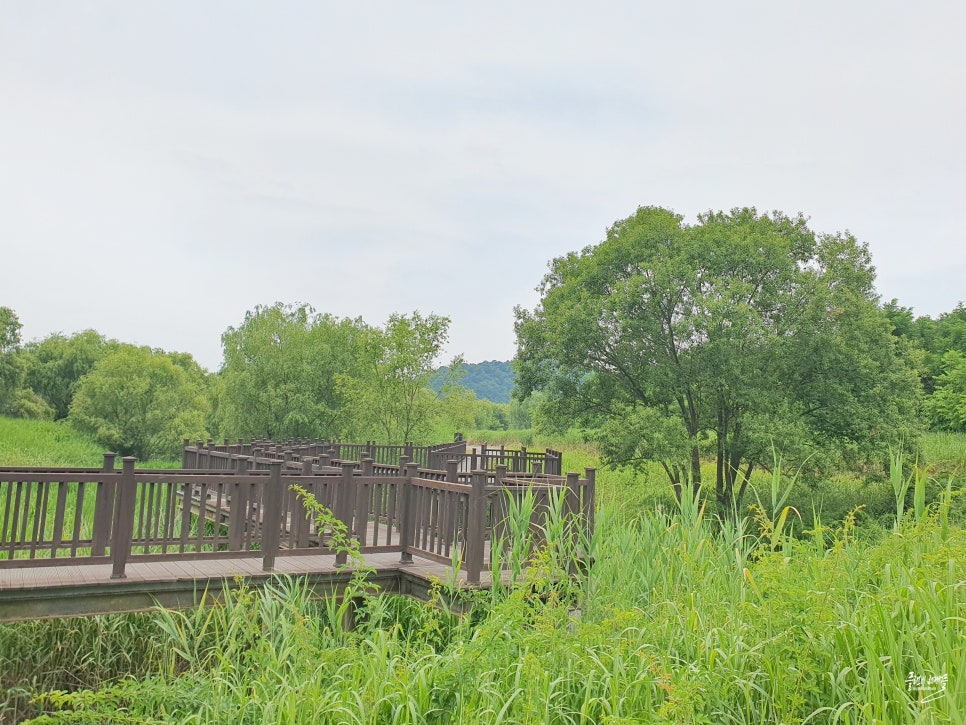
(452,472)
(238,513)
(300,514)
(343,504)
(406,512)
(476,522)
(571,517)
(104,508)
(589,502)
(272,515)
(123,532)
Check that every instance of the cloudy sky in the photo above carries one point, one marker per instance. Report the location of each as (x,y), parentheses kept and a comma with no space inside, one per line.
(166,166)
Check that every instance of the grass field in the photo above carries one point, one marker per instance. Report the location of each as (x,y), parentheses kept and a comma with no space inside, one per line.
(680,619)
(47,443)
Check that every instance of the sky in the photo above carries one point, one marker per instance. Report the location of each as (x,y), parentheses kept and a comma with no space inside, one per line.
(167,166)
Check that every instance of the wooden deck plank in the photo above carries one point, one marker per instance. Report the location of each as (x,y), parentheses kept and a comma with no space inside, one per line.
(61,590)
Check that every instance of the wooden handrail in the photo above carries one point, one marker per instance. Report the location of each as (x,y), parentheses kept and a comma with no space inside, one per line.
(55,516)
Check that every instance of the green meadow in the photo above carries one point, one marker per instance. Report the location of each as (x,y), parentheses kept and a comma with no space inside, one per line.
(817,604)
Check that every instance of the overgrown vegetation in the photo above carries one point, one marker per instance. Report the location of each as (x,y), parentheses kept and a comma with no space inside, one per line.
(681,618)
(745,358)
(723,339)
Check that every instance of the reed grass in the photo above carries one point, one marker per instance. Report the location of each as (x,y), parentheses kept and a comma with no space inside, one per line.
(676,621)
(669,616)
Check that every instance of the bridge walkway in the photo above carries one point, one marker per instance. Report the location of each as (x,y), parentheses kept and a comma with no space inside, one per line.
(87,589)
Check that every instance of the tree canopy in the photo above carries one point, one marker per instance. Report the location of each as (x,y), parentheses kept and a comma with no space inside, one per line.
(388,394)
(279,375)
(290,372)
(140,402)
(55,365)
(741,331)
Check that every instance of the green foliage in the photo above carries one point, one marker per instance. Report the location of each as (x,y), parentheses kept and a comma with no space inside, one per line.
(681,618)
(744,328)
(936,337)
(946,407)
(387,394)
(55,366)
(26,403)
(459,410)
(72,653)
(139,402)
(11,365)
(676,621)
(279,376)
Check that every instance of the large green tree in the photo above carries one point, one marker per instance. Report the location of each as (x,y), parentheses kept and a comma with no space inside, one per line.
(723,337)
(141,402)
(55,365)
(389,395)
(279,374)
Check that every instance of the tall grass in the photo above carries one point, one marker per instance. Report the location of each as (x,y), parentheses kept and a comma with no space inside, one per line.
(672,617)
(50,443)
(675,621)
(45,443)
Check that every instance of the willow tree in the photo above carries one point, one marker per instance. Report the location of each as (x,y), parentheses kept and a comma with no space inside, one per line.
(388,395)
(279,375)
(725,338)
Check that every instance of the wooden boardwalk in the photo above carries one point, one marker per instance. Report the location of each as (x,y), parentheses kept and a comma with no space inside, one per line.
(84,589)
(79,541)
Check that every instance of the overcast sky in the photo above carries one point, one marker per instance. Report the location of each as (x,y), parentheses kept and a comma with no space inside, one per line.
(166,166)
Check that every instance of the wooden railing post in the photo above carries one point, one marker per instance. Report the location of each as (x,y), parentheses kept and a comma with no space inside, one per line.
(590,494)
(238,508)
(300,515)
(123,529)
(344,503)
(476,521)
(452,471)
(361,510)
(103,508)
(571,513)
(406,512)
(272,515)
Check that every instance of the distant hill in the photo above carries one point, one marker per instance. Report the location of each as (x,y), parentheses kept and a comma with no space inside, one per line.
(490,380)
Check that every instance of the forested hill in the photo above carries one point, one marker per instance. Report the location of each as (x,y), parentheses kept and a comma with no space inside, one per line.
(491,380)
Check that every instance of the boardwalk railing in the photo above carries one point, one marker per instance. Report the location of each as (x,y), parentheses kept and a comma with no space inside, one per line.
(210,455)
(245,507)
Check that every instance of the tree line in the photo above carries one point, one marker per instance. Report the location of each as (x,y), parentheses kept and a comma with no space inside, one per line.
(742,338)
(288,372)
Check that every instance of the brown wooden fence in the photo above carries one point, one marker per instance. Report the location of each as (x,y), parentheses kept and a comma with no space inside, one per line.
(209,455)
(230,504)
